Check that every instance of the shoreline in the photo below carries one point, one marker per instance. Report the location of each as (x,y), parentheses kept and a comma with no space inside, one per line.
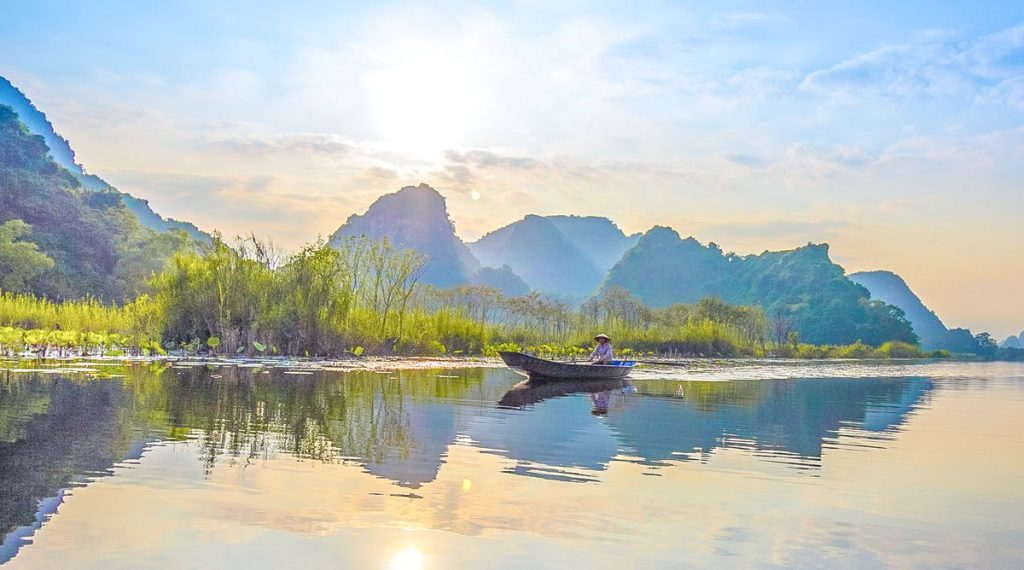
(384,363)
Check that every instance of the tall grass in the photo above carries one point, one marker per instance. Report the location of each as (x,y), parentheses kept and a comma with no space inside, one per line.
(364,297)
(82,326)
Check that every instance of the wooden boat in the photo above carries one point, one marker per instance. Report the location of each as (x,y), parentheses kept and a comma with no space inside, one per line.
(539,368)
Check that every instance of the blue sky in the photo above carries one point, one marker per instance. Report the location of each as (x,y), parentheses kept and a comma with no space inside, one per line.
(893,131)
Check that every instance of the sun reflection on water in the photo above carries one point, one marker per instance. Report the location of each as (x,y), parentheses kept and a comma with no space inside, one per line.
(409,558)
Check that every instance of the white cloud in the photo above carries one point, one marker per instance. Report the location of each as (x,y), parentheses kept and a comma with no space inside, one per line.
(938,68)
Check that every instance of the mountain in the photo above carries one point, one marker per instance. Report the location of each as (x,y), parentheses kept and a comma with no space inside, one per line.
(804,284)
(662,269)
(538,252)
(598,238)
(561,255)
(1013,341)
(61,152)
(416,217)
(893,290)
(92,245)
(503,279)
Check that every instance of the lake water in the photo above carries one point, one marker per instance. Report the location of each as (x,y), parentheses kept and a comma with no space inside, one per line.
(732,464)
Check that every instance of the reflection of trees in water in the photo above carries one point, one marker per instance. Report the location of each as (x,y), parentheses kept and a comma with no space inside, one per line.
(54,430)
(246,415)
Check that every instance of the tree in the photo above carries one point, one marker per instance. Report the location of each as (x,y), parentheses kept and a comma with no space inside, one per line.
(987,346)
(780,326)
(20,261)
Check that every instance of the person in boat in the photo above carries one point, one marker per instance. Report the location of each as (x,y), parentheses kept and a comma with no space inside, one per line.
(602,353)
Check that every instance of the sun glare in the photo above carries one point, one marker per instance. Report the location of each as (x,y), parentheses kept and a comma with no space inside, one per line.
(425,104)
(408,558)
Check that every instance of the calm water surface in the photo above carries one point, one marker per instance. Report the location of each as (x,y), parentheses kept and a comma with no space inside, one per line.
(731,464)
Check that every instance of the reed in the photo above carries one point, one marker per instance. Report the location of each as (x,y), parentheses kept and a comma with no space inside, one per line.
(364,297)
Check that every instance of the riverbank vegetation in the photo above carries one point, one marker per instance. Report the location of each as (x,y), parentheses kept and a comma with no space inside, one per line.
(365,297)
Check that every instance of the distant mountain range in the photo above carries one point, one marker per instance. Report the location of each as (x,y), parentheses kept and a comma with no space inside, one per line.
(61,152)
(1014,341)
(559,255)
(575,257)
(416,217)
(80,221)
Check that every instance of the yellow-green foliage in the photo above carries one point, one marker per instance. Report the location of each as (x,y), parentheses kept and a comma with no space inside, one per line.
(30,322)
(365,295)
(898,349)
(855,350)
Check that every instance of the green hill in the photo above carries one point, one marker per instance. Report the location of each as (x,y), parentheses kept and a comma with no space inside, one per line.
(95,245)
(801,285)
(60,151)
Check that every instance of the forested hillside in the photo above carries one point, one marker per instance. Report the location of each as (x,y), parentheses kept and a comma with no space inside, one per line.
(69,241)
(62,153)
(800,289)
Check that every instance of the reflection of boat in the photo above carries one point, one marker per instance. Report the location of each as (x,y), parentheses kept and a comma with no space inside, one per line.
(529,392)
(539,368)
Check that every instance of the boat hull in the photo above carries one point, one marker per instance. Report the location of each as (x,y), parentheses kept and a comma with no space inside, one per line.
(541,369)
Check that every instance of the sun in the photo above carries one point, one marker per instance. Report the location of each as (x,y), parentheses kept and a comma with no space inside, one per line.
(425,103)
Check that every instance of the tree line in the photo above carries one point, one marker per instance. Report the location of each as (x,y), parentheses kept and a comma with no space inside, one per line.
(364,296)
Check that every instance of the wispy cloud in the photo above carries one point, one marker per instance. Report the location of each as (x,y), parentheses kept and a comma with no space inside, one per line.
(300,143)
(935,68)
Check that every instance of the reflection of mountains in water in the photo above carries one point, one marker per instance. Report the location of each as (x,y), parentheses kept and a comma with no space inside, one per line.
(680,420)
(56,432)
(664,421)
(794,417)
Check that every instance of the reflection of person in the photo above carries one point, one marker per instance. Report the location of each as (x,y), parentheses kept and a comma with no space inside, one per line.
(602,353)
(600,402)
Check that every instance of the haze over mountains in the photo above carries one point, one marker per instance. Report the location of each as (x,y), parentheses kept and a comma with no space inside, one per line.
(61,152)
(416,217)
(1013,341)
(560,255)
(572,257)
(891,288)
(569,257)
(62,240)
